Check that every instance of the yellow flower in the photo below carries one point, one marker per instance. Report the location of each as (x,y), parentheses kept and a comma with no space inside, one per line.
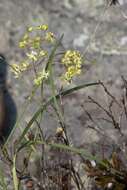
(24,65)
(30,29)
(43,53)
(26,36)
(36,42)
(42,27)
(32,56)
(16,70)
(49,37)
(22,44)
(41,76)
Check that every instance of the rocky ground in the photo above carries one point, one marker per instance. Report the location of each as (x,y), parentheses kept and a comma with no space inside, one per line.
(99,33)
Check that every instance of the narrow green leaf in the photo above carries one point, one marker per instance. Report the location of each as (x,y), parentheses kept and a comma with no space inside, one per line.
(15,178)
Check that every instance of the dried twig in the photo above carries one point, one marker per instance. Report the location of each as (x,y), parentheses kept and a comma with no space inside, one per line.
(109,94)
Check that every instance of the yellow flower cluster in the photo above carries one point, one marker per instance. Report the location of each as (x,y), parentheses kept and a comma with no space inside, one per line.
(40,77)
(32,42)
(32,55)
(18,69)
(43,27)
(27,41)
(35,42)
(49,37)
(72,60)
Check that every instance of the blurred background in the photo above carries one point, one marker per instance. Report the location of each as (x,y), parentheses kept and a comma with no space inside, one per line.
(99,33)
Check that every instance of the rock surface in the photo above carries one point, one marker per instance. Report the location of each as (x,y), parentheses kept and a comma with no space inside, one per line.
(99,33)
